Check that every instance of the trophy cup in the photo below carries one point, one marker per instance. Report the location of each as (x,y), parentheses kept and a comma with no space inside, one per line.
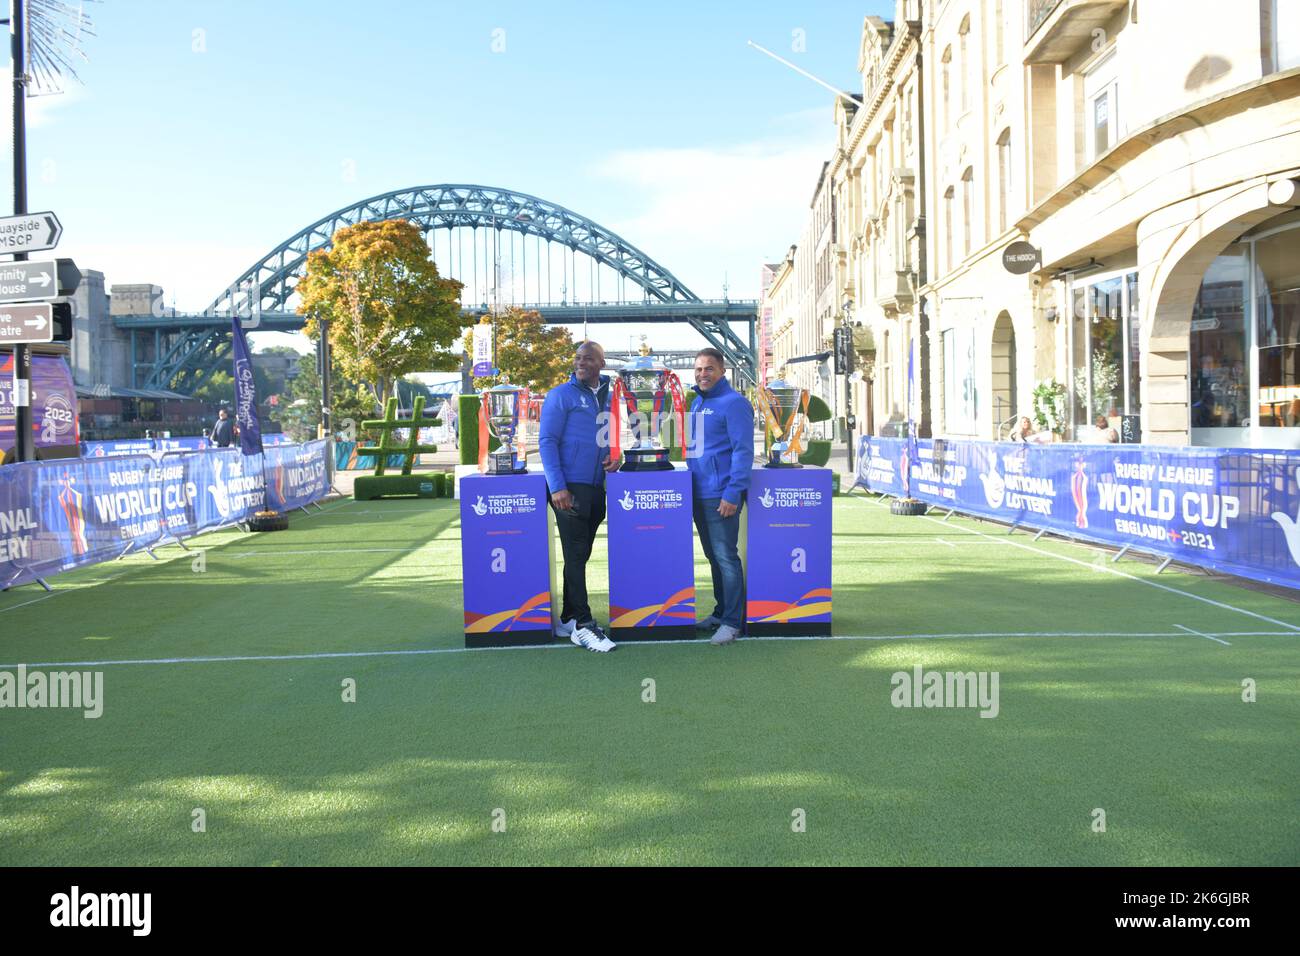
(504,411)
(785,409)
(641,388)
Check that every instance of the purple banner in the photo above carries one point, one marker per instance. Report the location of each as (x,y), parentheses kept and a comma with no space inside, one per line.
(788,578)
(250,428)
(651,555)
(1232,509)
(506,560)
(54,402)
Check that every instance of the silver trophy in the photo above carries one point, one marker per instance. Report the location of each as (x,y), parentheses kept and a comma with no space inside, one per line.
(507,410)
(785,409)
(644,387)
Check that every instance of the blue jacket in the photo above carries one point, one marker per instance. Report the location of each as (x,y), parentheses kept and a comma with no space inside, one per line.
(573,439)
(722,443)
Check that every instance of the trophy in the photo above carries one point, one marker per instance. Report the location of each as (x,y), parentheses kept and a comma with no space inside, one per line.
(503,411)
(641,387)
(785,409)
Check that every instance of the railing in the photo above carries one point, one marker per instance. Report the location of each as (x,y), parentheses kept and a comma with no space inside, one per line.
(1038,11)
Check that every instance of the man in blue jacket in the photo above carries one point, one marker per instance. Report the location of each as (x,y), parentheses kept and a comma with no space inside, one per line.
(575,462)
(720,458)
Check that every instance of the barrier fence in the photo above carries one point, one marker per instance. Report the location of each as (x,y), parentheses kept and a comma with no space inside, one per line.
(59,515)
(143,446)
(1230,509)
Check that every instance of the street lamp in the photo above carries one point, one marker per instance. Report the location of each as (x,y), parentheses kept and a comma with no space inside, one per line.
(844,363)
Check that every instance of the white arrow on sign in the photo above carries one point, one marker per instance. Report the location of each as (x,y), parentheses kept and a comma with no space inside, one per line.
(41,279)
(38,323)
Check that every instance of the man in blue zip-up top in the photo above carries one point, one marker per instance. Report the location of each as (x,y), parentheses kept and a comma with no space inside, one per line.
(575,462)
(720,459)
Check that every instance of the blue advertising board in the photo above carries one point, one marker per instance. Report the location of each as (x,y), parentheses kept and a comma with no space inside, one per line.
(788,578)
(1236,510)
(507,560)
(651,555)
(58,515)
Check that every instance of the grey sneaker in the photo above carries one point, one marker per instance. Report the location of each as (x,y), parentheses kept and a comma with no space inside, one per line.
(725,635)
(709,623)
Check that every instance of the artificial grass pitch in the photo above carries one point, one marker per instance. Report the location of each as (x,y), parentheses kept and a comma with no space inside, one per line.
(1115,694)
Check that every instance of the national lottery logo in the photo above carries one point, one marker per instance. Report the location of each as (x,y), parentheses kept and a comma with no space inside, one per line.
(766,499)
(626,502)
(995,489)
(220,493)
(478,507)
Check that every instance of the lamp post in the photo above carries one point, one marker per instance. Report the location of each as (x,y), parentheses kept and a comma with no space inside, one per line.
(846,362)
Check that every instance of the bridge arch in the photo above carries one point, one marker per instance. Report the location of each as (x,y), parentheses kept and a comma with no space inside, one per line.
(268,284)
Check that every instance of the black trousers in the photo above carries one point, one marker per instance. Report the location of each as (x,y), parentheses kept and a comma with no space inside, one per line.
(577,529)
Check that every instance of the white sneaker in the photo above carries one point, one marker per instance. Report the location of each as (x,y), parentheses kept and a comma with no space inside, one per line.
(592,638)
(565,628)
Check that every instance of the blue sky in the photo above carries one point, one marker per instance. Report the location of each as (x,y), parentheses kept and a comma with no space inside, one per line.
(205,133)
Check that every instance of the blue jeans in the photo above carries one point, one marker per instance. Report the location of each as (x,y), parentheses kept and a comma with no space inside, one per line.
(718,536)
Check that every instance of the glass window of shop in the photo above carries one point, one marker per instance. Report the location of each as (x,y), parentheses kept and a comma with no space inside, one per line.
(1244,351)
(1104,351)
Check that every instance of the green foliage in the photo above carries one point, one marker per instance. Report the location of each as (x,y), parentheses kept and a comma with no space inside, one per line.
(389,311)
(390,445)
(467,425)
(1049,406)
(300,408)
(429,485)
(528,351)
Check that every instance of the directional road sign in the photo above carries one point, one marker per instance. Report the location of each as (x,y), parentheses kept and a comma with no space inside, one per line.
(29,280)
(31,232)
(26,323)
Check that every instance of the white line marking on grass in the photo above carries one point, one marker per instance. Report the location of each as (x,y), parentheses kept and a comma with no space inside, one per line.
(274,552)
(67,589)
(1118,573)
(1208,637)
(561,645)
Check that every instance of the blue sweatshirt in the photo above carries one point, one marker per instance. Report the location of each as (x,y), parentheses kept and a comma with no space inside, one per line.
(569,437)
(720,462)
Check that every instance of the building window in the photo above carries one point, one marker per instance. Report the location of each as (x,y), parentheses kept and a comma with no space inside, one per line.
(1220,382)
(964,64)
(947,229)
(947,89)
(1286,34)
(960,388)
(967,208)
(1004,178)
(1101,107)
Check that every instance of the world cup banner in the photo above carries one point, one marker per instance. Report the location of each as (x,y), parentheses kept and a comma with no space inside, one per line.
(788,582)
(507,560)
(1235,510)
(296,475)
(651,555)
(58,515)
(53,402)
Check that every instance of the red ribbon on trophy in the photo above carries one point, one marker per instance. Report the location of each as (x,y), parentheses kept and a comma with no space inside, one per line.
(482,433)
(619,395)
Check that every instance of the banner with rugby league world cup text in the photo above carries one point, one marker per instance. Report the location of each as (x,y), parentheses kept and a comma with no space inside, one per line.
(507,560)
(788,582)
(1235,510)
(651,555)
(58,515)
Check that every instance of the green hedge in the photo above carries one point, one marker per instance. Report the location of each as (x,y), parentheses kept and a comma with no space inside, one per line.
(467,427)
(435,484)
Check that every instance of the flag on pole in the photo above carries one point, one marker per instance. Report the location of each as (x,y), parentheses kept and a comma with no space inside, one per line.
(250,429)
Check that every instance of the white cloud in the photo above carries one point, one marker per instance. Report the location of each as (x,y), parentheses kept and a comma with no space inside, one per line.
(43,110)
(707,211)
